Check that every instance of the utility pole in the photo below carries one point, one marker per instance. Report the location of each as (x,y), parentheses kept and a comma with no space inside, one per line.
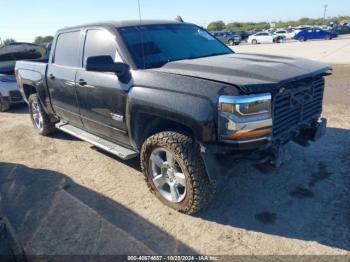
(325,13)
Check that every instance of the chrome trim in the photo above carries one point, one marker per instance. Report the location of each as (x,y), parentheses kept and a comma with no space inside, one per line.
(244,99)
(267,138)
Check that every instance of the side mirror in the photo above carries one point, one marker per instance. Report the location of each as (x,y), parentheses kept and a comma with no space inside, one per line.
(106,64)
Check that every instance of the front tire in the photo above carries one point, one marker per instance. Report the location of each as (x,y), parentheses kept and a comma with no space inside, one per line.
(231,42)
(302,39)
(39,117)
(175,172)
(254,42)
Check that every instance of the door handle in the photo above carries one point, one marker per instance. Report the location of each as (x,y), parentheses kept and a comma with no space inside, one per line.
(51,76)
(82,82)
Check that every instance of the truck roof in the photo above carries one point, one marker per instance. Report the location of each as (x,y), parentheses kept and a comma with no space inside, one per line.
(125,23)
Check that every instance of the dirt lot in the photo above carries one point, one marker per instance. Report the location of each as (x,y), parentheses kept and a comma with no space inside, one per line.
(64,197)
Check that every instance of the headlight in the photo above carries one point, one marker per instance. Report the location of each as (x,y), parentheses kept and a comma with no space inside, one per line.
(245,118)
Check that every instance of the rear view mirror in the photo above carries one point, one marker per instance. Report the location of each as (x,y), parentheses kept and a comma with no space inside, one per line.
(106,64)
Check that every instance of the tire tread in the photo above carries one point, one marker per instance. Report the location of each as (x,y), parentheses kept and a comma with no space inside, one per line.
(188,151)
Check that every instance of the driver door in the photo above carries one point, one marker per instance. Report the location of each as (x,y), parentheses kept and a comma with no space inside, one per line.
(102,97)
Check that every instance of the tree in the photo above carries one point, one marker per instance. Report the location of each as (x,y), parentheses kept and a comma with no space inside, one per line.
(7,42)
(41,40)
(216,26)
(239,26)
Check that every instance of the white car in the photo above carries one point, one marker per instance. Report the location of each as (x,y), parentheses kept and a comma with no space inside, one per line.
(9,92)
(287,34)
(265,37)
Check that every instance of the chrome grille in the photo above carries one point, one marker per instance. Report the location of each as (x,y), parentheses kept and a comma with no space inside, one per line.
(298,103)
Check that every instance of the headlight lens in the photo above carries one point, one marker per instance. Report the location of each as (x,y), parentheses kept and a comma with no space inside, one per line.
(245,118)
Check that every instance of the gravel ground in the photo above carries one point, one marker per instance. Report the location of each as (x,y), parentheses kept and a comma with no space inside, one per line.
(62,196)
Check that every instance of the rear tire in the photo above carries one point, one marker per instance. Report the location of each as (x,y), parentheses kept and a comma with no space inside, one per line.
(4,105)
(328,37)
(193,186)
(231,42)
(39,117)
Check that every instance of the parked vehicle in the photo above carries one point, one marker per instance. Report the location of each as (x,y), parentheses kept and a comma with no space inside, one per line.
(9,93)
(324,27)
(243,34)
(228,38)
(315,33)
(288,34)
(181,104)
(265,37)
(9,54)
(342,29)
(301,28)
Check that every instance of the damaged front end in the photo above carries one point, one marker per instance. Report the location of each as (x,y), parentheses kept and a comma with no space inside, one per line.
(257,127)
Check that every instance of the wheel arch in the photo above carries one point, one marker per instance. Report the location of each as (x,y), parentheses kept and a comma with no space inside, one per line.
(146,124)
(28,90)
(150,111)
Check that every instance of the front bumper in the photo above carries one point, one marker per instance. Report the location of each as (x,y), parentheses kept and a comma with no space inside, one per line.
(265,151)
(304,134)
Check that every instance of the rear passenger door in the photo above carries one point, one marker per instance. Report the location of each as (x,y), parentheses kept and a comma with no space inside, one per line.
(310,34)
(319,33)
(102,97)
(61,76)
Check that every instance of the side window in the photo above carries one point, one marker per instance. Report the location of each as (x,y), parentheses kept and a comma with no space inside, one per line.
(67,49)
(98,43)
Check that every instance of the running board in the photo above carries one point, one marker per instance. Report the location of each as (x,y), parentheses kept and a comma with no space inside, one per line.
(119,151)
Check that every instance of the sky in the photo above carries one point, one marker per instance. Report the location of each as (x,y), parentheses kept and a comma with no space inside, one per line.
(26,19)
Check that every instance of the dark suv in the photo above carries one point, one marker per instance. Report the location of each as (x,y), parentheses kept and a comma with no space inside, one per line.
(228,38)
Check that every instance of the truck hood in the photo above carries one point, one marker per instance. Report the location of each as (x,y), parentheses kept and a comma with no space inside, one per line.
(250,72)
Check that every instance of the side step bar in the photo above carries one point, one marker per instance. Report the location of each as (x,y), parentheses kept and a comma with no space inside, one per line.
(119,151)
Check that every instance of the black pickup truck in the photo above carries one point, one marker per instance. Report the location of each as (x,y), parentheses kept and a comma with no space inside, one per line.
(175,95)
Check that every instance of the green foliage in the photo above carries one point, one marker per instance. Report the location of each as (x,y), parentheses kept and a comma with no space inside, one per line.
(233,27)
(7,41)
(41,40)
(216,26)
(238,26)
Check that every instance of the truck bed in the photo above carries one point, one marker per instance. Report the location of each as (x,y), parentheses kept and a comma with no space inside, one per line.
(33,74)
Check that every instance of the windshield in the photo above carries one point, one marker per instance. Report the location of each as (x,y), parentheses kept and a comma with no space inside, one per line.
(154,45)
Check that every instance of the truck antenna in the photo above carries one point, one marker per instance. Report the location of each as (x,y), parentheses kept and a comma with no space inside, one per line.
(179,19)
(143,49)
(140,17)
